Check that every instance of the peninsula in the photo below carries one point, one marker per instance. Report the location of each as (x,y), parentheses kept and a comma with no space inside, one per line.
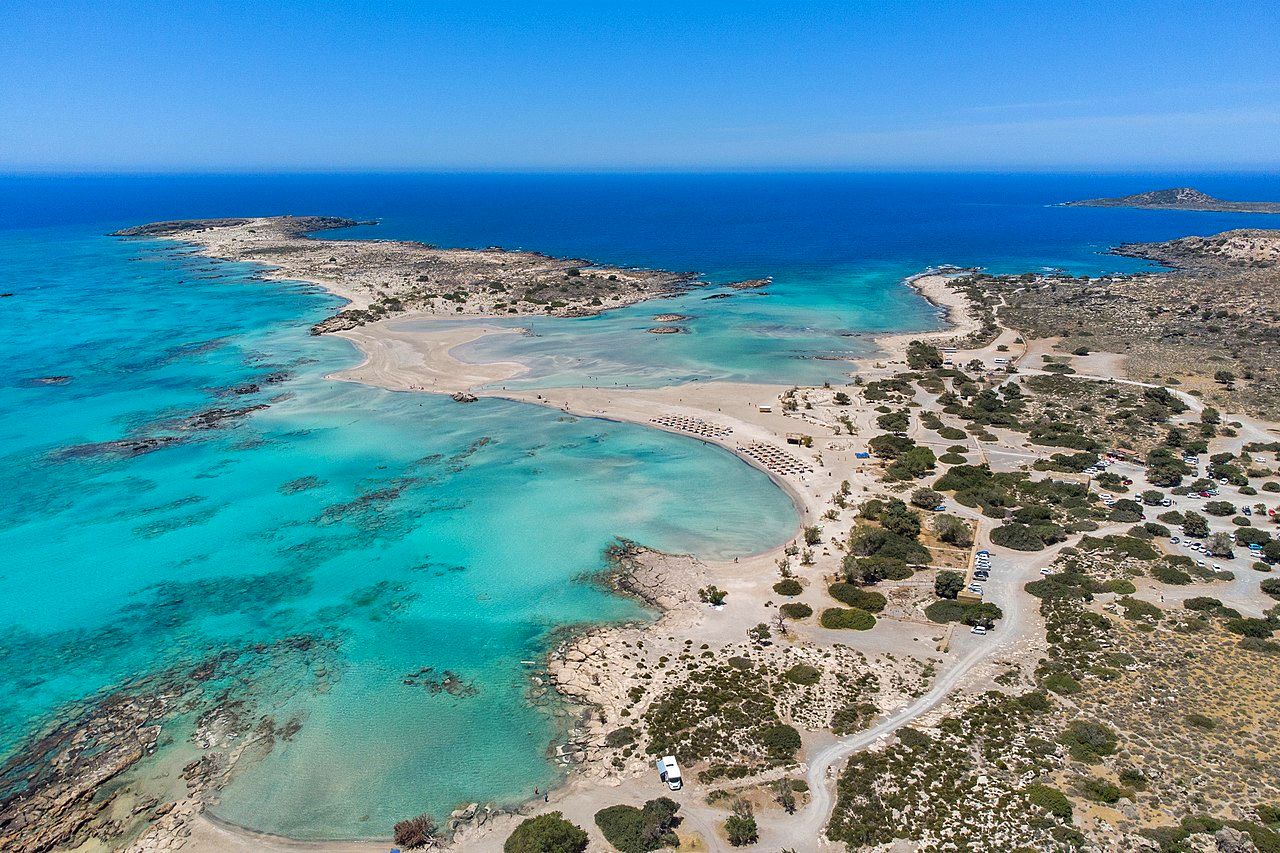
(1179,198)
(382,278)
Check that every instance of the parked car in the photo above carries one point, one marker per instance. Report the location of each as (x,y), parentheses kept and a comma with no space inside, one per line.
(1046,571)
(669,772)
(978,629)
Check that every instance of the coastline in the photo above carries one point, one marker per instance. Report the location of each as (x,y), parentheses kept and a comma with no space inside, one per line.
(420,360)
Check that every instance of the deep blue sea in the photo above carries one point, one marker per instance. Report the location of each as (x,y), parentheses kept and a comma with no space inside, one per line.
(416,537)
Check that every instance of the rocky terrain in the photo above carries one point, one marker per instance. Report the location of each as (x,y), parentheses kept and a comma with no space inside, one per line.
(382,278)
(1210,325)
(1179,198)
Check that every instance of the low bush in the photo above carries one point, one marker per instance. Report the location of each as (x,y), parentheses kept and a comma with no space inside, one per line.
(788,586)
(1166,573)
(1259,629)
(803,673)
(1088,741)
(851,618)
(1100,790)
(546,833)
(639,830)
(1062,684)
(1050,799)
(856,596)
(796,610)
(853,717)
(1137,610)
(781,740)
(1200,721)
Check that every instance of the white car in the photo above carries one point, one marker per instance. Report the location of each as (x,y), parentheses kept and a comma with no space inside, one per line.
(978,629)
(1046,571)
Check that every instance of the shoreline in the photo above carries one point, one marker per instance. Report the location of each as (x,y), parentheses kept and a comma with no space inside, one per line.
(418,360)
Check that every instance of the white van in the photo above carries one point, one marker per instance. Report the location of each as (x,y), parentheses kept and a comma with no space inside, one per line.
(669,772)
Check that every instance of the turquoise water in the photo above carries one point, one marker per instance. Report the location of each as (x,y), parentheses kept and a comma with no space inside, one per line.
(404,532)
(800,329)
(421,532)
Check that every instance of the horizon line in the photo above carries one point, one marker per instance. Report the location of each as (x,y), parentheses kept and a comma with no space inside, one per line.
(9,172)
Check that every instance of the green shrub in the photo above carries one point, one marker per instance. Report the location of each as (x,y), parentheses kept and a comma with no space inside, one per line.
(1088,741)
(781,740)
(1202,603)
(1120,586)
(1166,573)
(803,673)
(796,610)
(1271,586)
(1062,684)
(948,583)
(639,830)
(847,619)
(1019,537)
(1137,610)
(1100,791)
(546,833)
(1200,721)
(878,542)
(946,610)
(788,586)
(853,717)
(855,596)
(624,736)
(741,827)
(1257,628)
(1050,799)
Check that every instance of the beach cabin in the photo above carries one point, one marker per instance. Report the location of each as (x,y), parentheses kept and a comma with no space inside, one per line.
(669,772)
(766,408)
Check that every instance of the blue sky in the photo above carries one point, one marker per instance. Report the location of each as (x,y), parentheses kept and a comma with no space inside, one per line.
(870,85)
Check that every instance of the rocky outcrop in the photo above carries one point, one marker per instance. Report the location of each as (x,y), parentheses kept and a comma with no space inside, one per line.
(1245,247)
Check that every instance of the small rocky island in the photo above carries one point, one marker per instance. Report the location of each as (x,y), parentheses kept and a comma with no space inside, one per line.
(1179,198)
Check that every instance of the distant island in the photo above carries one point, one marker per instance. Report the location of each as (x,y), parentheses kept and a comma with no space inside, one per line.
(1179,198)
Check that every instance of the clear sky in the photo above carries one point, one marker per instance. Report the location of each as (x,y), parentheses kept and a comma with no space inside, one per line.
(285,85)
